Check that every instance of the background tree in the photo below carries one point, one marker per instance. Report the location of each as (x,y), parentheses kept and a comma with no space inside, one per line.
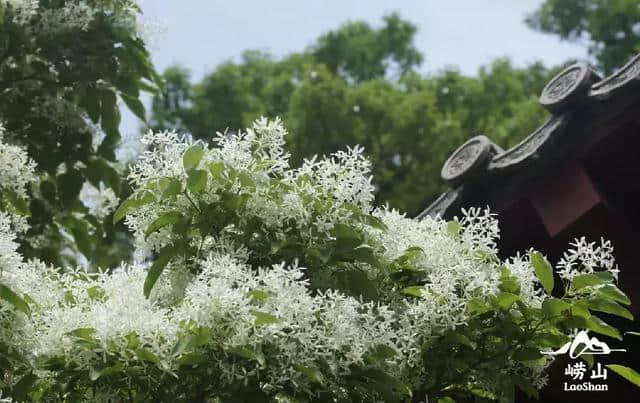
(359,85)
(610,28)
(63,67)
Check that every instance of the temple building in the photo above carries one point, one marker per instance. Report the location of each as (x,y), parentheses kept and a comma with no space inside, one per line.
(577,175)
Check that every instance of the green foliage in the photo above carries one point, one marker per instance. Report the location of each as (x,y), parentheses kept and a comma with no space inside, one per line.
(544,271)
(60,85)
(609,27)
(360,53)
(14,299)
(343,91)
(626,372)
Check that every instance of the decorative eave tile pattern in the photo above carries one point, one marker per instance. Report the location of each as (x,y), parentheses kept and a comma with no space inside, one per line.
(579,100)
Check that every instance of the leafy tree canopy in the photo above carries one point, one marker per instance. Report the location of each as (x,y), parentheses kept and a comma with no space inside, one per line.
(258,277)
(63,67)
(342,90)
(611,28)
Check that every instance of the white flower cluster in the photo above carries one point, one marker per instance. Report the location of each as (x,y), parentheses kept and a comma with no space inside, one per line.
(585,257)
(253,310)
(232,299)
(280,197)
(111,305)
(455,272)
(75,14)
(16,168)
(25,9)
(100,201)
(17,171)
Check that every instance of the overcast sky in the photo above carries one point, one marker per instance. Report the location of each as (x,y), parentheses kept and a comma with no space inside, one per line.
(199,34)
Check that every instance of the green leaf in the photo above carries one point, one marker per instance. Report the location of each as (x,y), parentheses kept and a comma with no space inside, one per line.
(147,355)
(96,293)
(202,336)
(110,113)
(506,299)
(91,103)
(264,319)
(310,372)
(627,373)
(123,209)
(216,169)
(157,267)
(363,253)
(453,228)
(346,234)
(527,354)
(133,202)
(48,190)
(246,180)
(96,373)
(196,180)
(605,276)
(23,387)
(446,399)
(98,170)
(580,308)
(552,339)
(586,280)
(192,359)
(459,338)
(508,282)
(476,306)
(599,326)
(135,105)
(253,354)
(543,270)
(82,333)
(81,235)
(612,292)
(415,291)
(165,219)
(608,306)
(14,299)
(171,188)
(357,283)
(389,387)
(375,222)
(554,307)
(192,157)
(258,296)
(381,352)
(18,203)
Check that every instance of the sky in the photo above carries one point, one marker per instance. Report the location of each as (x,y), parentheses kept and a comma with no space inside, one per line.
(467,34)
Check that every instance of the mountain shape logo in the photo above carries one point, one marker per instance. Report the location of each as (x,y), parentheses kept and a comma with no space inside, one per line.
(582,344)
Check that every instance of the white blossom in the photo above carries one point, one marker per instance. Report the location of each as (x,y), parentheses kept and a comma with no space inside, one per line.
(586,257)
(16,168)
(245,306)
(100,201)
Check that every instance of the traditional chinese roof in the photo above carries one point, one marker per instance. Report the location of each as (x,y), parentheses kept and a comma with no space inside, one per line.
(584,108)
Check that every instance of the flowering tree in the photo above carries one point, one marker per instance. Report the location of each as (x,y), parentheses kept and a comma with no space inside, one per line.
(253,280)
(63,66)
(273,283)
